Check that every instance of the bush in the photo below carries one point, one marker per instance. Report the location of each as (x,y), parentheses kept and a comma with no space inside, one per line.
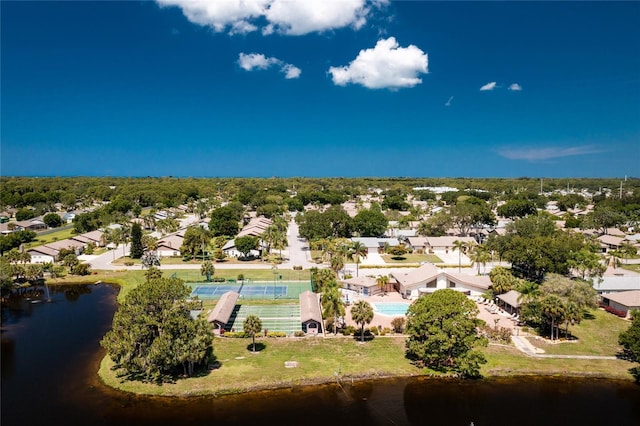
(128,263)
(500,335)
(276,334)
(398,324)
(218,280)
(236,334)
(349,330)
(386,331)
(299,333)
(81,269)
(618,312)
(297,267)
(373,330)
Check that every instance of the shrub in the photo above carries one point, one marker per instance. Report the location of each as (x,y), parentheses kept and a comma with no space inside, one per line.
(618,312)
(236,334)
(218,280)
(373,330)
(128,263)
(500,335)
(398,324)
(349,330)
(276,334)
(81,269)
(299,333)
(386,331)
(297,267)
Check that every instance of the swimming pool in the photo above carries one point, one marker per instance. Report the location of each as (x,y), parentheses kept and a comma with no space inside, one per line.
(391,308)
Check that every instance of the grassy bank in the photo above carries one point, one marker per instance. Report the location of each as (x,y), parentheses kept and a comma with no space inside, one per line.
(322,360)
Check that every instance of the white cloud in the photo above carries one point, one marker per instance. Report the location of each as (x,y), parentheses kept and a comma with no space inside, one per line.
(280,16)
(291,71)
(448,103)
(536,154)
(385,66)
(253,61)
(488,86)
(515,87)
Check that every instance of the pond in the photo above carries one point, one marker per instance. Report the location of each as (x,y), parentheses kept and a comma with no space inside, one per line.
(51,352)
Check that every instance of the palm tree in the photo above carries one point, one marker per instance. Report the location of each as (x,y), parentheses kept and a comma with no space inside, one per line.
(553,308)
(362,313)
(480,256)
(627,250)
(382,281)
(460,246)
(358,249)
(207,269)
(332,304)
(252,325)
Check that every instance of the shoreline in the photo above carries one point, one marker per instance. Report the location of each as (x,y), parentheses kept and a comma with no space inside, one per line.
(194,386)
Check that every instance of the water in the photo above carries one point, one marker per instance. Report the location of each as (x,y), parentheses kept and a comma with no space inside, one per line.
(391,308)
(50,355)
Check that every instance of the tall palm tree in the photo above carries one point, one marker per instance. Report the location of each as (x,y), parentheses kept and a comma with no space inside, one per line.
(362,313)
(358,249)
(480,256)
(252,325)
(460,246)
(332,304)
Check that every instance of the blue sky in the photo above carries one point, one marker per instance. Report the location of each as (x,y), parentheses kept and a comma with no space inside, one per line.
(331,88)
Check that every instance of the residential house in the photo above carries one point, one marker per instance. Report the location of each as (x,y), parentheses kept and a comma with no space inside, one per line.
(428,278)
(169,246)
(446,243)
(609,242)
(624,301)
(363,285)
(376,245)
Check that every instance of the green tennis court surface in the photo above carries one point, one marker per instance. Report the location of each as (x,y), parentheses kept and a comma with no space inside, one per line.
(285,318)
(280,290)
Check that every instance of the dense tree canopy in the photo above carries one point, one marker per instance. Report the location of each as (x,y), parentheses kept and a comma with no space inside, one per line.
(370,222)
(630,342)
(153,337)
(442,333)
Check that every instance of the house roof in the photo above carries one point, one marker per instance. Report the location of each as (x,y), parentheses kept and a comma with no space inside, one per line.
(630,299)
(310,307)
(171,241)
(511,298)
(426,272)
(65,244)
(610,239)
(417,241)
(44,250)
(447,241)
(613,283)
(95,236)
(478,281)
(82,239)
(362,281)
(224,308)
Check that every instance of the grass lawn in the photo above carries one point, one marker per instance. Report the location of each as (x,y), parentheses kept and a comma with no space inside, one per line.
(596,336)
(508,361)
(318,359)
(412,258)
(49,238)
(632,267)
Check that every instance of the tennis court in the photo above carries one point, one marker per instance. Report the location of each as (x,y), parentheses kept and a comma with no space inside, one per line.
(281,290)
(285,318)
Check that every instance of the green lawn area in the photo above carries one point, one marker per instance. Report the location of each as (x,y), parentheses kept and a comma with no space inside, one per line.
(49,238)
(632,267)
(509,361)
(597,336)
(318,358)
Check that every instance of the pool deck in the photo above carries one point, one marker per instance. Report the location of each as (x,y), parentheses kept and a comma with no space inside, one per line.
(378,319)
